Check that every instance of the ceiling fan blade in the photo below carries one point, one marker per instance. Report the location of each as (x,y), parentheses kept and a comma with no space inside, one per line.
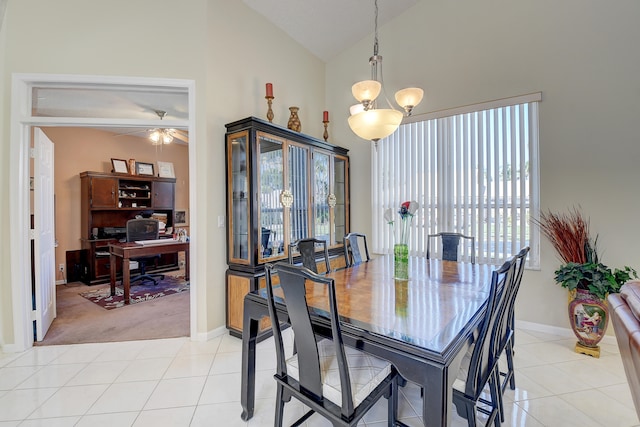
(135,132)
(181,135)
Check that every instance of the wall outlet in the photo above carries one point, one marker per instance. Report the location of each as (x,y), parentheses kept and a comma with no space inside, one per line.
(61,267)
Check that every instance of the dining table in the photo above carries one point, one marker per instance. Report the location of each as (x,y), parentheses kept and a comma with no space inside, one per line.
(423,325)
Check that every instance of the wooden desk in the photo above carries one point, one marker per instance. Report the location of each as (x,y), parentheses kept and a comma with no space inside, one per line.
(423,326)
(126,251)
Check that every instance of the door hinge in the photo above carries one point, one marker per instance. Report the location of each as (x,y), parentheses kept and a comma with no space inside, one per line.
(32,153)
(32,234)
(34,315)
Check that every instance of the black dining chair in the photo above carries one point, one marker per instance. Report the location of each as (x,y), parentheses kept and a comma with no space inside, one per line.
(479,367)
(507,333)
(144,229)
(337,382)
(307,250)
(450,245)
(352,249)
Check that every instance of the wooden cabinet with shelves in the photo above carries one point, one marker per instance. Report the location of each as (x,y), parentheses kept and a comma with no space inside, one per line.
(108,201)
(282,186)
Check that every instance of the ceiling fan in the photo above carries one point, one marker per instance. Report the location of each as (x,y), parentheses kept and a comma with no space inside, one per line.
(160,136)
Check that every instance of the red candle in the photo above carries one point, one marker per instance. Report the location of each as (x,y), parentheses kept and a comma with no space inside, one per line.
(269,89)
(325,116)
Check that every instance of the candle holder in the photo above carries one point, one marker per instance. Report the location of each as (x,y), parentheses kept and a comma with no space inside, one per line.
(325,135)
(269,110)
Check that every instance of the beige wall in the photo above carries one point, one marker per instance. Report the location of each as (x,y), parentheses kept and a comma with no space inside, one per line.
(582,55)
(77,150)
(226,48)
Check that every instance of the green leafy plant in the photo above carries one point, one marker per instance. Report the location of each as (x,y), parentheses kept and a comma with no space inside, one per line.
(582,269)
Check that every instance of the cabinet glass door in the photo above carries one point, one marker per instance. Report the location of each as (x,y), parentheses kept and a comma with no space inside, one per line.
(238,197)
(339,222)
(298,185)
(271,186)
(321,191)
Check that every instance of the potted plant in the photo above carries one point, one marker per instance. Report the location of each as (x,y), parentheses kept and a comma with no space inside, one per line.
(588,280)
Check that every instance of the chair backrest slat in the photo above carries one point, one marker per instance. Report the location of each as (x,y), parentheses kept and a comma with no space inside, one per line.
(352,253)
(450,244)
(482,360)
(293,281)
(307,250)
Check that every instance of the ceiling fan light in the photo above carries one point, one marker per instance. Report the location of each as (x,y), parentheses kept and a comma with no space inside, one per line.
(167,138)
(155,136)
(375,124)
(366,90)
(409,98)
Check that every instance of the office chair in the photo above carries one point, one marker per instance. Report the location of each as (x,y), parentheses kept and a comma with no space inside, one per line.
(352,254)
(335,381)
(307,249)
(144,229)
(450,243)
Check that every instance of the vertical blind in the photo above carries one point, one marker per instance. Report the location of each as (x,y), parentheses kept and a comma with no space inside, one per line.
(473,170)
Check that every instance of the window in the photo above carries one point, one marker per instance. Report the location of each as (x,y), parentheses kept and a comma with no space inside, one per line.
(474,170)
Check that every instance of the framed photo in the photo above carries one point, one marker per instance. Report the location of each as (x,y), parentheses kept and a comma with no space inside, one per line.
(165,170)
(144,168)
(120,166)
(181,217)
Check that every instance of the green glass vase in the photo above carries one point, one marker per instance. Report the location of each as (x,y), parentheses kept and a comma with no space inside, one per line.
(401,261)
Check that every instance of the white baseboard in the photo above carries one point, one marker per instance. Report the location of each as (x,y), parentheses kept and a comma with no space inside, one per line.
(215,333)
(61,282)
(562,332)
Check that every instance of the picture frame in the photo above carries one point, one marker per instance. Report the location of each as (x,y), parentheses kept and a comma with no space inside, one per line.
(144,168)
(119,166)
(181,217)
(165,170)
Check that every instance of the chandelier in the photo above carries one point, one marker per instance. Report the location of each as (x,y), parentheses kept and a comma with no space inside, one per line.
(367,120)
(161,136)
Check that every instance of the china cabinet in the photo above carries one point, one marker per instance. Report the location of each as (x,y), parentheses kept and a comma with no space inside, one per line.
(282,186)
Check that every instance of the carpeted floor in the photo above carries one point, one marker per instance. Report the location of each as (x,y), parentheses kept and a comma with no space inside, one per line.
(81,321)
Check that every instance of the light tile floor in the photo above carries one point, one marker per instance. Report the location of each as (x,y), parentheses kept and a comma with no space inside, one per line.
(177,382)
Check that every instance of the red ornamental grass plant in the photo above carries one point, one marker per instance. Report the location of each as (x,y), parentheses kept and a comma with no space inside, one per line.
(569,235)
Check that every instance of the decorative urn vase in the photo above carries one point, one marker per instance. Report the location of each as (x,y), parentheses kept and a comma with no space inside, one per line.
(294,120)
(588,316)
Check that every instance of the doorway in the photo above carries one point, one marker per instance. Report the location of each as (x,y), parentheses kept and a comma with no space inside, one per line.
(24,103)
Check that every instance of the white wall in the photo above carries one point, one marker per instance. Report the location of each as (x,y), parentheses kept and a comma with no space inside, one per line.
(582,55)
(228,50)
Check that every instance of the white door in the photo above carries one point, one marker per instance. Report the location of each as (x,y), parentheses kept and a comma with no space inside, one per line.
(44,234)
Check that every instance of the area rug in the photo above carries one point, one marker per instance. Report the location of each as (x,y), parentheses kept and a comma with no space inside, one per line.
(142,292)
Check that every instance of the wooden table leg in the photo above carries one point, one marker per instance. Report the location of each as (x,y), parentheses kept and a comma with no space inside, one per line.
(126,279)
(186,264)
(112,270)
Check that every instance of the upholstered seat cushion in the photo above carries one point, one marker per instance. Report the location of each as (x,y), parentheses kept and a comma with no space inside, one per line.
(630,292)
(366,372)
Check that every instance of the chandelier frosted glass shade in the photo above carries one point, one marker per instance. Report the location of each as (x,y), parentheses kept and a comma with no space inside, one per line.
(409,98)
(366,90)
(375,124)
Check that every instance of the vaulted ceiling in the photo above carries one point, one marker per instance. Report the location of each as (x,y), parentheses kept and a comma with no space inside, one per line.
(326,27)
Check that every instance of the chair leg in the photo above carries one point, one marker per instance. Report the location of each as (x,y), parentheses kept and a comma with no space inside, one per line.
(392,404)
(510,369)
(277,422)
